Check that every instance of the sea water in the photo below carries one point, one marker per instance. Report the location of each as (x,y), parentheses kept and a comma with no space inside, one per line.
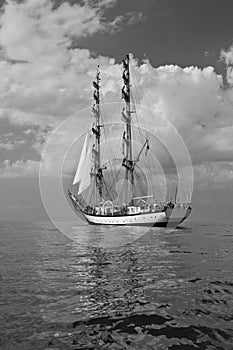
(165,290)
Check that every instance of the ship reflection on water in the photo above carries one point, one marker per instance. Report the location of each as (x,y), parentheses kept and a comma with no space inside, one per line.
(104,236)
(116,306)
(163,291)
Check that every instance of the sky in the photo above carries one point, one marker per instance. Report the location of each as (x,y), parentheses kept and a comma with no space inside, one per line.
(183,56)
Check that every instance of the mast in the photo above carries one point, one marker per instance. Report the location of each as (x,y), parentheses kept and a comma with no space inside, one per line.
(97,171)
(126,116)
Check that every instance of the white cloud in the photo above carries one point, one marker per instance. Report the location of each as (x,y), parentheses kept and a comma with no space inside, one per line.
(19,169)
(196,102)
(101,3)
(8,142)
(9,146)
(29,131)
(56,81)
(32,30)
(214,175)
(126,19)
(227,57)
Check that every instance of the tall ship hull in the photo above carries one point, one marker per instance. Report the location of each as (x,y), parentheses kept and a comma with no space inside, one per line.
(122,191)
(170,215)
(159,219)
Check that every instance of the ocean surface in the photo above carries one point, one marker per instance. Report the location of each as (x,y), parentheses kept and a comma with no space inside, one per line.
(163,291)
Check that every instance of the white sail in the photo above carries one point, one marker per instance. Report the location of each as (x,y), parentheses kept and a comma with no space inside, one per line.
(85,171)
(79,170)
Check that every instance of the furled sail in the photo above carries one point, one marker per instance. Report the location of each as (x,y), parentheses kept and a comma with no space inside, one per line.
(82,175)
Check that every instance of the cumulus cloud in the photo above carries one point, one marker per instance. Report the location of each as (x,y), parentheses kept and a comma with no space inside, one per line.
(227,57)
(54,81)
(196,102)
(213,175)
(32,30)
(10,145)
(8,142)
(19,169)
(126,19)
(44,79)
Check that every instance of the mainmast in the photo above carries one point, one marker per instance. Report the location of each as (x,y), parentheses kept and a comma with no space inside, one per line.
(126,116)
(97,171)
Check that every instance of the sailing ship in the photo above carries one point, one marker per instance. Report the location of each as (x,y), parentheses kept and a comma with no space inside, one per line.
(113,192)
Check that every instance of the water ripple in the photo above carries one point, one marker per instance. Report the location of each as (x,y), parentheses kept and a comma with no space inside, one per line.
(164,291)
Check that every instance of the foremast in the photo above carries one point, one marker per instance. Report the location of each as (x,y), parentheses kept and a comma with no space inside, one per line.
(126,116)
(96,130)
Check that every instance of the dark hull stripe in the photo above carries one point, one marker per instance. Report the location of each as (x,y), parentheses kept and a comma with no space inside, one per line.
(157,224)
